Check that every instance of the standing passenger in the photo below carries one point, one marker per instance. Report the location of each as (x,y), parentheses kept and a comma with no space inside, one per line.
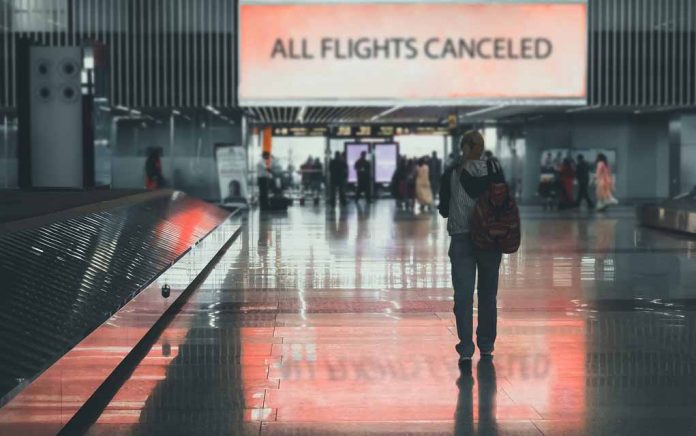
(566,176)
(317,178)
(459,190)
(153,169)
(411,173)
(362,168)
(264,177)
(399,184)
(338,170)
(306,170)
(582,174)
(435,168)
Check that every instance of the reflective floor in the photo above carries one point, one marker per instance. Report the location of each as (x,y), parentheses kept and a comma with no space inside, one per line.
(339,322)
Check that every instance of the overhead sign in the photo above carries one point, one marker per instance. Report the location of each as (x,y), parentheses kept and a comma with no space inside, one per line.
(386,131)
(411,52)
(299,131)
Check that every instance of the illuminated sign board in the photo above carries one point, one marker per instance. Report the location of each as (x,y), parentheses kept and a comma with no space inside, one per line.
(386,160)
(300,131)
(386,131)
(353,152)
(387,53)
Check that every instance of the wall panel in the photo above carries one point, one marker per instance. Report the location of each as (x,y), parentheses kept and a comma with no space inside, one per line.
(162,53)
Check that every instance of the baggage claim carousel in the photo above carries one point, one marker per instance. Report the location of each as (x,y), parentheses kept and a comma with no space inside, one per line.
(88,280)
(677,214)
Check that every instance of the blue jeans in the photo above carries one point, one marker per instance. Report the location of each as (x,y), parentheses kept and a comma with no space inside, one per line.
(466,260)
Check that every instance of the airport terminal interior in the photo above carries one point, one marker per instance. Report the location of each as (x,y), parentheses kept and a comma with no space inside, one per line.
(347,217)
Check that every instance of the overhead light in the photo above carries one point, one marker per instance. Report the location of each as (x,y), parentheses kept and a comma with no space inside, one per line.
(484,110)
(136,112)
(176,112)
(387,112)
(88,60)
(301,114)
(213,110)
(122,108)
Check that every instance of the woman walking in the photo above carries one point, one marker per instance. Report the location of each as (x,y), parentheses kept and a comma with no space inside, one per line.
(605,184)
(424,193)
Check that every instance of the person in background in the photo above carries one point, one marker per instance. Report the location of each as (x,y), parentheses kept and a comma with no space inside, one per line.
(547,167)
(424,193)
(605,184)
(317,178)
(435,169)
(338,172)
(364,171)
(399,187)
(306,172)
(514,177)
(488,155)
(153,169)
(264,177)
(411,184)
(582,175)
(557,162)
(566,176)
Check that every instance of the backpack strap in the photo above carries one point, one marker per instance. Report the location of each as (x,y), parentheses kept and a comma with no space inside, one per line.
(495,171)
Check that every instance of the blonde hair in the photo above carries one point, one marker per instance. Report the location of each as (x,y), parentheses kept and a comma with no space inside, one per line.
(471,140)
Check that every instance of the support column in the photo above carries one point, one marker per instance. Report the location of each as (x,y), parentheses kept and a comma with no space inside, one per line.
(56,134)
(675,144)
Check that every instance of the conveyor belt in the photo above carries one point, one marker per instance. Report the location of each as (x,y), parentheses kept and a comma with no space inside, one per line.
(677,215)
(60,280)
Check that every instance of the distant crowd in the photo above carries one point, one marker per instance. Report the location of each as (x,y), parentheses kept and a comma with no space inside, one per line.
(558,177)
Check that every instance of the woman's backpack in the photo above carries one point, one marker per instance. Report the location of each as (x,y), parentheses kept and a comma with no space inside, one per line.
(495,224)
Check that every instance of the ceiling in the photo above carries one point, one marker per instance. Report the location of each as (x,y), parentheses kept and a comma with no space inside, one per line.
(389,114)
(474,116)
(430,115)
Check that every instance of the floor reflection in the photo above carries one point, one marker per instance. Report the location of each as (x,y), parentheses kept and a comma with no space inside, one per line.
(486,415)
(339,322)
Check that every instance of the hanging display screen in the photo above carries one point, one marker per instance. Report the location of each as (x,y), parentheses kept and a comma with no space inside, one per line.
(353,152)
(418,52)
(386,160)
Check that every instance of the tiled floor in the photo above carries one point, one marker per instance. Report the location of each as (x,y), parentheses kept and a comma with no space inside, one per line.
(320,322)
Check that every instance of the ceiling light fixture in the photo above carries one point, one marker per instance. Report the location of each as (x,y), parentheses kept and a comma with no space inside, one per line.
(484,110)
(301,114)
(387,112)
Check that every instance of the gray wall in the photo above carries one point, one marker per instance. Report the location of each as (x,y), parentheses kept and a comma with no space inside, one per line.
(640,142)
